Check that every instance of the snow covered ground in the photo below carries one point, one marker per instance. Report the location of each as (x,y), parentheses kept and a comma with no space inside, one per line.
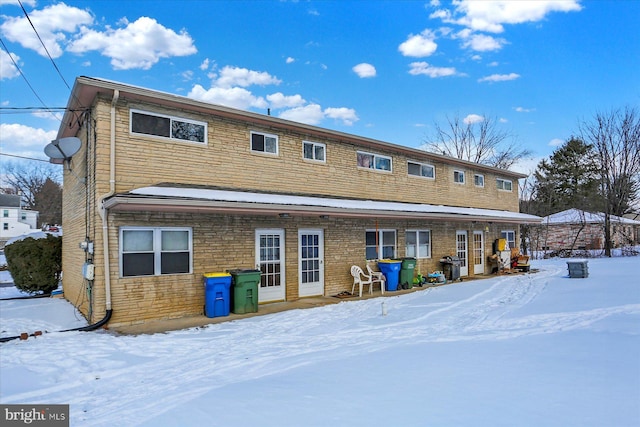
(527,350)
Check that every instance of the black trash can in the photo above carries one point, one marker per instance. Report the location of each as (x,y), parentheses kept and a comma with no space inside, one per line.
(451,267)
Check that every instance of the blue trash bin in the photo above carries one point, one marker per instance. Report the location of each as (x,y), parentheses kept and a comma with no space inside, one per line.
(216,294)
(391,270)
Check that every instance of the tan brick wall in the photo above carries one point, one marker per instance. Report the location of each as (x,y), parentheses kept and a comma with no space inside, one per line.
(226,242)
(222,242)
(227,161)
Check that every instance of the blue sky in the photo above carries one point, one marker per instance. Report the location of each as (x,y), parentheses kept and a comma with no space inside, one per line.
(386,70)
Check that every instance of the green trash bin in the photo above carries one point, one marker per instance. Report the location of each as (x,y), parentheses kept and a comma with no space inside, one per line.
(406,272)
(244,295)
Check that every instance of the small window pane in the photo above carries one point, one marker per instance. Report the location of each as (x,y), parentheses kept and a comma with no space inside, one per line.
(270,145)
(174,262)
(383,163)
(187,131)
(365,160)
(388,238)
(137,264)
(319,152)
(308,150)
(137,241)
(414,169)
(175,240)
(257,142)
(150,125)
(371,238)
(427,171)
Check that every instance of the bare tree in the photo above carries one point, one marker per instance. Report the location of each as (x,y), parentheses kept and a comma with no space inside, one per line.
(38,185)
(476,139)
(615,136)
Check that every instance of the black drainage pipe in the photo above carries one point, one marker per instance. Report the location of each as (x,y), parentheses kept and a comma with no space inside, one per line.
(87,328)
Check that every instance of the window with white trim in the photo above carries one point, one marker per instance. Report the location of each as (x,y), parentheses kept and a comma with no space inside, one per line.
(5,213)
(5,226)
(510,236)
(458,177)
(418,244)
(374,161)
(380,244)
(154,251)
(478,180)
(504,184)
(264,143)
(421,169)
(154,124)
(314,151)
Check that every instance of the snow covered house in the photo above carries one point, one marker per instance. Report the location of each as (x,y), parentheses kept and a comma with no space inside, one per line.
(577,229)
(165,188)
(15,220)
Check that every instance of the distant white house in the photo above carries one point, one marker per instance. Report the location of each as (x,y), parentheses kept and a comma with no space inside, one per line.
(576,229)
(14,220)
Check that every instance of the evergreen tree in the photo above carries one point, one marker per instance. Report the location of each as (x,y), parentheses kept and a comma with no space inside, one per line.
(568,179)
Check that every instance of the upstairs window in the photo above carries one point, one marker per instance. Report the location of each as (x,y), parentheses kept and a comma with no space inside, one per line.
(504,184)
(421,169)
(153,124)
(374,161)
(478,180)
(264,143)
(5,213)
(458,177)
(314,151)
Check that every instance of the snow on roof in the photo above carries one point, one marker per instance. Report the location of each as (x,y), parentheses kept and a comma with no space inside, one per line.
(281,199)
(575,216)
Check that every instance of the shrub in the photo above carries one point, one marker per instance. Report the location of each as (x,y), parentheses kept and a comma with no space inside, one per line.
(35,264)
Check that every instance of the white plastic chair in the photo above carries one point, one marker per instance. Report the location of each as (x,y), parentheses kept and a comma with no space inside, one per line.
(360,279)
(377,277)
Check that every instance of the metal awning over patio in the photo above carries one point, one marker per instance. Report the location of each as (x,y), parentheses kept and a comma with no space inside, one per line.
(212,200)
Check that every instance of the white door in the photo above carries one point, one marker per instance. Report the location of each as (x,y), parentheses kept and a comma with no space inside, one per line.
(461,249)
(310,263)
(270,261)
(478,252)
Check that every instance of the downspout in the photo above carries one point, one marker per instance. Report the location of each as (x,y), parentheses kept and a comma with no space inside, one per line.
(104,213)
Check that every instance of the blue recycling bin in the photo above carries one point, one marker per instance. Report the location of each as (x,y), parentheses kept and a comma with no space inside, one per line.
(216,294)
(391,270)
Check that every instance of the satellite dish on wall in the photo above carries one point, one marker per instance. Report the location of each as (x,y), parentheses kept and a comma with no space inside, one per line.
(62,149)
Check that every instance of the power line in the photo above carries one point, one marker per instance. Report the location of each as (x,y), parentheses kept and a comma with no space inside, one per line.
(26,80)
(23,157)
(43,45)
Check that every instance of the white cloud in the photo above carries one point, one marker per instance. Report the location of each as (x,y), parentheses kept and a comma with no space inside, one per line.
(556,142)
(290,60)
(205,64)
(235,76)
(473,118)
(21,140)
(52,23)
(365,70)
(420,45)
(483,43)
(279,100)
(493,64)
(503,120)
(235,97)
(347,115)
(8,69)
(418,68)
(524,110)
(499,77)
(139,44)
(310,114)
(489,16)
